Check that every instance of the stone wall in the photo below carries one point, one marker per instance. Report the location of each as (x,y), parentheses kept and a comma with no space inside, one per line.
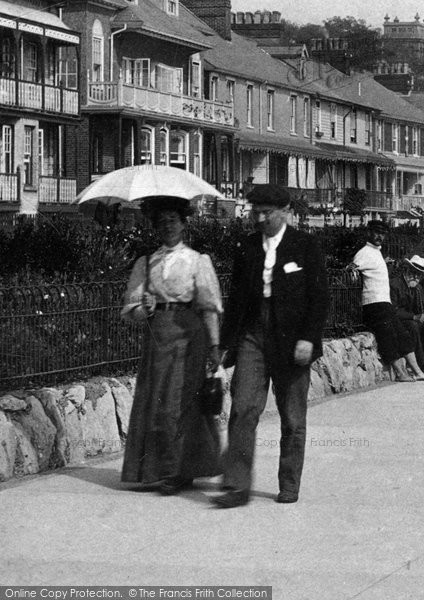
(47,428)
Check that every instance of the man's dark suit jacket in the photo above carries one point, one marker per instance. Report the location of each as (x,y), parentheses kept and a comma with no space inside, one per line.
(407,301)
(299,298)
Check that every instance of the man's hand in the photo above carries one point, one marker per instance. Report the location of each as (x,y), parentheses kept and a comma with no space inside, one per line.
(303,353)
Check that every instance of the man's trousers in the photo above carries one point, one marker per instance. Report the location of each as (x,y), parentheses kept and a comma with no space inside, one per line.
(258,362)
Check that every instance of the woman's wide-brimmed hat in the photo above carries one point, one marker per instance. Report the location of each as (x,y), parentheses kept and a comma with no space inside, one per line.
(155,204)
(416,263)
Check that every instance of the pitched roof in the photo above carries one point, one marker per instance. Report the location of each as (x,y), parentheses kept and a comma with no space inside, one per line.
(361,89)
(242,57)
(417,99)
(149,19)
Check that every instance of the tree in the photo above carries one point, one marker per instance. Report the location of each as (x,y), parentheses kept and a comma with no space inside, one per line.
(305,33)
(346,26)
(394,51)
(364,44)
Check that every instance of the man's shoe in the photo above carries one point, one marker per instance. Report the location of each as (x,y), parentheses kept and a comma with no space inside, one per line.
(285,498)
(231,499)
(175,485)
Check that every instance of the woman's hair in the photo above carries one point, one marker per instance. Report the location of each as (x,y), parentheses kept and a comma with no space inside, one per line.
(152,206)
(154,216)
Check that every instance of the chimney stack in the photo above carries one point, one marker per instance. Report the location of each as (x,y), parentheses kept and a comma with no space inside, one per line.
(215,13)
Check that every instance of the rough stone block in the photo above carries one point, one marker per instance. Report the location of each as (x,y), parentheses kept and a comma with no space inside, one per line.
(40,431)
(12,403)
(100,425)
(123,403)
(8,446)
(50,399)
(26,459)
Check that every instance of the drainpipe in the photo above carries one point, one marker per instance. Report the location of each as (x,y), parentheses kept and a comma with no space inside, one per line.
(111,50)
(344,124)
(260,106)
(344,142)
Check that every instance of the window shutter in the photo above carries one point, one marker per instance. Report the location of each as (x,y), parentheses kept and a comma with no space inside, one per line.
(387,137)
(402,142)
(410,140)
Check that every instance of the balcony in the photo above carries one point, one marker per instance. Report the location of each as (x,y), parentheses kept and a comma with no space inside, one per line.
(379,200)
(40,97)
(119,94)
(9,187)
(407,202)
(56,190)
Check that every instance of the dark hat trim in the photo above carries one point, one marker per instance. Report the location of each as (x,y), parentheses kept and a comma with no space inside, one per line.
(154,204)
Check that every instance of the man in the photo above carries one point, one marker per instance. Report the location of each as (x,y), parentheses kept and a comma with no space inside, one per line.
(273,323)
(393,340)
(407,297)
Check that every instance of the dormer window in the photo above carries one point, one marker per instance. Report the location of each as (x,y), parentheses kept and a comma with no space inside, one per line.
(171,7)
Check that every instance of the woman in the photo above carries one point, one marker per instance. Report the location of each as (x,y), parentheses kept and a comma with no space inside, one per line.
(176,290)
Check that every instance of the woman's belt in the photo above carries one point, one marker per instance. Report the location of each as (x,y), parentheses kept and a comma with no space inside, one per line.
(173,306)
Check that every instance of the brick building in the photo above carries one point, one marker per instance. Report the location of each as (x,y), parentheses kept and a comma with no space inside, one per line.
(145,94)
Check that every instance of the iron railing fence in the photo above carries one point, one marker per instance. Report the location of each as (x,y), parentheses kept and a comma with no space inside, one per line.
(396,246)
(59,333)
(345,309)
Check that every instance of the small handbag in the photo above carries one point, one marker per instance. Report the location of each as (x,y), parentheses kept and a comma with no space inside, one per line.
(211,396)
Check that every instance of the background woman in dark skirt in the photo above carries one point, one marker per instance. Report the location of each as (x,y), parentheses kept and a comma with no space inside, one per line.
(176,290)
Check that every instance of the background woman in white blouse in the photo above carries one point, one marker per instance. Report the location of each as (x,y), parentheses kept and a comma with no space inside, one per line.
(176,290)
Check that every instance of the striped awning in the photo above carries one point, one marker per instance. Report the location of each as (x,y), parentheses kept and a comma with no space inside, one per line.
(302,147)
(31,20)
(353,154)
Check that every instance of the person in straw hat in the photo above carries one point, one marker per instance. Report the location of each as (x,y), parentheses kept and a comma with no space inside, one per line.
(407,297)
(394,342)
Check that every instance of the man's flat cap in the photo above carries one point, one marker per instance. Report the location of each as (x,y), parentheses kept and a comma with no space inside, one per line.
(269,193)
(378,226)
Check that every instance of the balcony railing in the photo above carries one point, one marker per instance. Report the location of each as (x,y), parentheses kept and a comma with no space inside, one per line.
(9,187)
(407,202)
(316,196)
(380,200)
(56,190)
(166,103)
(36,96)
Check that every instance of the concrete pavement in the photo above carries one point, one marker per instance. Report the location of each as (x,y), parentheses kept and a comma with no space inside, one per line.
(356,532)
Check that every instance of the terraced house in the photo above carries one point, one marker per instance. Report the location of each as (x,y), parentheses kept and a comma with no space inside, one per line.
(146,97)
(168,82)
(39,107)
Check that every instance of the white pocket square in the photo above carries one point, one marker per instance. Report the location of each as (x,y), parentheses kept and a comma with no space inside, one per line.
(291,267)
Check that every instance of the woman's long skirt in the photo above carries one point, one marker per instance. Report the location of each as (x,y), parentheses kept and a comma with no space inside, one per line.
(168,435)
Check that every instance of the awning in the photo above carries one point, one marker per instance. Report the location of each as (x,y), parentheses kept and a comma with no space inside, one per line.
(277,144)
(337,152)
(299,147)
(26,18)
(405,214)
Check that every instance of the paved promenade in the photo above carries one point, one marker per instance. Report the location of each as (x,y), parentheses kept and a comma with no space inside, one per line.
(356,532)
